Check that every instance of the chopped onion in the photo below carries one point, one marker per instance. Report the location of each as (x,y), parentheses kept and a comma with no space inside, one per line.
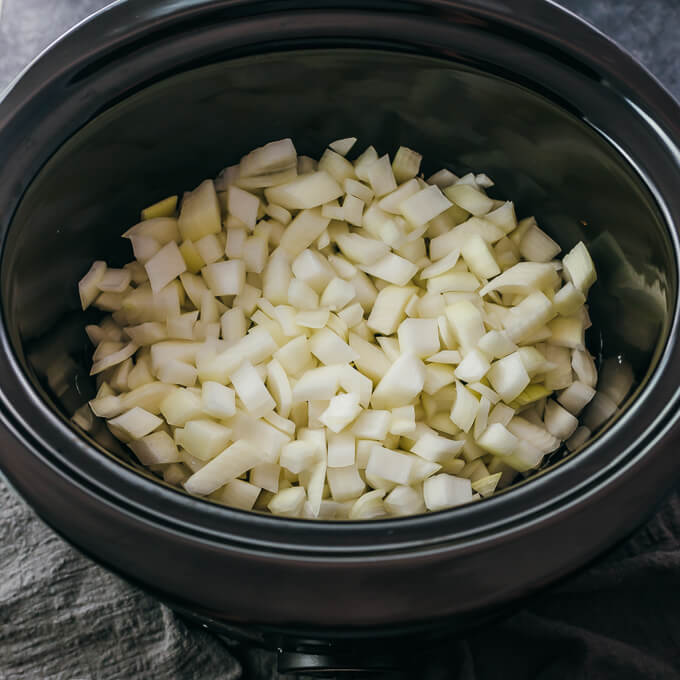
(341,339)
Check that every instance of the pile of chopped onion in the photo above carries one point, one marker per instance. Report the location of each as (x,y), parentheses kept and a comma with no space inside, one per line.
(343,339)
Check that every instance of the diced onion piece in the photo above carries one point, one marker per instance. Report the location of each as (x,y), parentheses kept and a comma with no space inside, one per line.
(496,344)
(446,491)
(466,322)
(239,494)
(503,217)
(298,455)
(584,367)
(523,278)
(558,421)
(343,146)
(317,383)
(460,282)
(497,439)
(442,266)
(529,315)
(447,356)
(568,299)
(266,476)
(392,201)
(157,448)
(176,372)
(469,198)
(114,358)
(508,376)
(236,459)
(576,397)
(341,450)
(336,166)
(533,434)
(114,280)
(390,465)
(567,331)
(485,486)
(303,231)
(204,439)
(537,246)
(424,206)
(479,258)
(368,506)
(371,424)
(243,205)
(389,309)
(200,213)
(404,500)
(485,391)
(473,367)
(579,438)
(251,390)
(276,212)
(306,191)
(352,314)
(329,348)
(337,294)
(271,157)
(500,413)
(379,174)
(225,278)
(136,423)
(255,252)
(406,164)
(345,483)
(218,400)
(360,249)
(436,449)
(419,337)
(353,209)
(401,384)
(442,178)
(464,410)
(579,268)
(341,411)
(302,296)
(163,208)
(288,502)
(599,411)
(354,188)
(392,268)
(352,380)
(316,318)
(403,420)
(88,286)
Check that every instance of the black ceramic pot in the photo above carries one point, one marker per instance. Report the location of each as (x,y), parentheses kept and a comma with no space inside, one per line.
(149,97)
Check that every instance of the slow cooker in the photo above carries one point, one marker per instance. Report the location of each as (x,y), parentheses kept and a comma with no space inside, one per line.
(147,98)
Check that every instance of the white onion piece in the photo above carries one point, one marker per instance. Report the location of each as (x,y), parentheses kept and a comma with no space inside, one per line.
(558,421)
(446,491)
(576,397)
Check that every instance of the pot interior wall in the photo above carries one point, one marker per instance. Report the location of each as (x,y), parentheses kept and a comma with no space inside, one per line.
(168,137)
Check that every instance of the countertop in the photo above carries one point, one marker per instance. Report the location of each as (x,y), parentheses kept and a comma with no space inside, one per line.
(61,616)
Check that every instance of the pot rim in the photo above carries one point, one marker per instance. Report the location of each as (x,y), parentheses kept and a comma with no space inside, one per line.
(541,499)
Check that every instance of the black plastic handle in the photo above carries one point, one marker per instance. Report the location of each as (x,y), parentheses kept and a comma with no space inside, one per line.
(334,665)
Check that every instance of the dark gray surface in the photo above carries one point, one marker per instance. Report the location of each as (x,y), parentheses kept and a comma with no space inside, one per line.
(63,617)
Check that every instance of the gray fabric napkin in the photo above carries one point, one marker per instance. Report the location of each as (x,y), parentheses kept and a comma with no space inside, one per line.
(64,617)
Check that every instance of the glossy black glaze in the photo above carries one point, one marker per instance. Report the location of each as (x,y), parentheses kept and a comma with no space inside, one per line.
(505,86)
